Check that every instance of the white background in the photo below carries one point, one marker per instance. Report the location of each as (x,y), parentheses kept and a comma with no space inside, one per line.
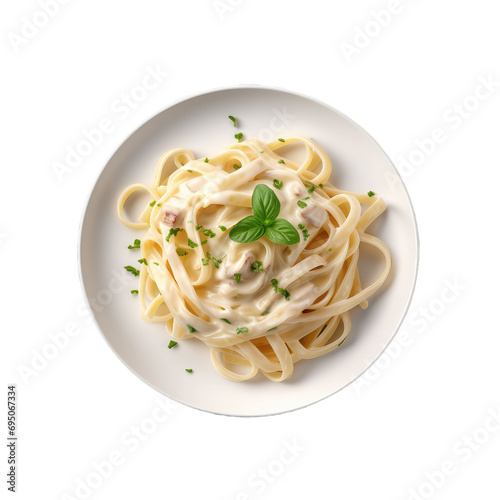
(429,405)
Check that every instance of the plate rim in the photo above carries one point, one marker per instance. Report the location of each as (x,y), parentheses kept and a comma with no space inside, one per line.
(214,90)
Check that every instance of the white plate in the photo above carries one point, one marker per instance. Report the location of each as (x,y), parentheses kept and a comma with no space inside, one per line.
(200,123)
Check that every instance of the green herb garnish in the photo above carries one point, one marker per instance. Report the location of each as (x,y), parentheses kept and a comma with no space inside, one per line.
(277,184)
(226,320)
(143,261)
(173,232)
(205,262)
(282,161)
(172,344)
(206,160)
(190,171)
(222,228)
(239,136)
(152,204)
(271,329)
(310,187)
(192,244)
(191,329)
(137,244)
(266,208)
(198,228)
(132,270)
(301,204)
(157,263)
(305,232)
(133,292)
(242,329)
(236,166)
(257,266)
(204,242)
(181,252)
(371,193)
(189,370)
(281,140)
(283,292)
(237,277)
(209,233)
(266,312)
(216,262)
(233,119)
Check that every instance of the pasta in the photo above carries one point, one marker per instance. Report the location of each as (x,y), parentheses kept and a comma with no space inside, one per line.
(260,306)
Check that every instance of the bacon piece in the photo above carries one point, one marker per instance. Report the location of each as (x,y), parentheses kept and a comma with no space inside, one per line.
(314,214)
(169,217)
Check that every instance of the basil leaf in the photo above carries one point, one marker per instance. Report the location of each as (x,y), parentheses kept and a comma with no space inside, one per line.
(265,203)
(247,230)
(282,232)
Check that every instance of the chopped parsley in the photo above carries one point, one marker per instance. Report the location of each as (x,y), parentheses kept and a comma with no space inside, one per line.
(133,292)
(237,277)
(310,187)
(209,233)
(206,160)
(173,232)
(198,228)
(205,262)
(143,261)
(190,171)
(281,140)
(283,292)
(301,204)
(222,228)
(236,166)
(216,262)
(152,204)
(233,119)
(181,252)
(191,329)
(239,136)
(271,329)
(277,184)
(371,193)
(226,321)
(305,232)
(189,370)
(132,270)
(172,344)
(156,263)
(204,242)
(257,266)
(242,329)
(192,244)
(137,244)
(321,186)
(266,312)
(282,161)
